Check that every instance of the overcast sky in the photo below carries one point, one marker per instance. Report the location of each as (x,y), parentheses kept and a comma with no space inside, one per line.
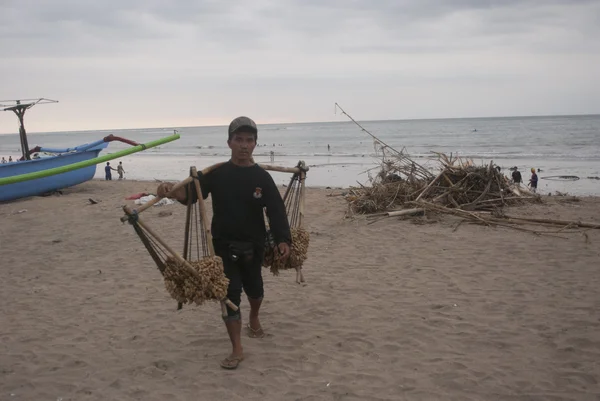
(163,63)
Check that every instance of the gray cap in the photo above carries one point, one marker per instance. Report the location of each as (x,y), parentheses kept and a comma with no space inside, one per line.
(242,122)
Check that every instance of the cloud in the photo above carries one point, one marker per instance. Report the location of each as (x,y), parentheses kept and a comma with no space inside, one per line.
(100,57)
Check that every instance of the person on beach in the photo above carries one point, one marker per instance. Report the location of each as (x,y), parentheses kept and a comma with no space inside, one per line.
(516,176)
(533,181)
(107,172)
(3,160)
(10,160)
(240,190)
(120,170)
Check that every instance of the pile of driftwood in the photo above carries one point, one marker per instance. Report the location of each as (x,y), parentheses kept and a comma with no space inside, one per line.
(460,184)
(475,194)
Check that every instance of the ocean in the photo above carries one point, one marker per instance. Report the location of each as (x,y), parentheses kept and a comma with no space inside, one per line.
(557,145)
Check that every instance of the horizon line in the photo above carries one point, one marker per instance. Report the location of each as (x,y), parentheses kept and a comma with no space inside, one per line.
(311,122)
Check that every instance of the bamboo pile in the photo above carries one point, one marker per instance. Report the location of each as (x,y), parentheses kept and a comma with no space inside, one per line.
(497,218)
(460,184)
(475,194)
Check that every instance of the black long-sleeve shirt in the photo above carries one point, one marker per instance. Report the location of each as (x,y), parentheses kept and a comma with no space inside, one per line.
(239,195)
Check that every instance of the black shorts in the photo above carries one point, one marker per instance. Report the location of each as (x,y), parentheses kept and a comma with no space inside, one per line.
(242,262)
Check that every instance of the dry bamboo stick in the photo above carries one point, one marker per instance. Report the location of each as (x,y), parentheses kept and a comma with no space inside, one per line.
(405,212)
(293,170)
(429,186)
(299,275)
(496,223)
(509,198)
(453,201)
(458,212)
(203,214)
(522,222)
(480,197)
(175,188)
(448,180)
(301,206)
(158,199)
(437,198)
(557,222)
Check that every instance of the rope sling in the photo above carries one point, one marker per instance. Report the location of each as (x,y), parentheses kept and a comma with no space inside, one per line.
(197,275)
(294,206)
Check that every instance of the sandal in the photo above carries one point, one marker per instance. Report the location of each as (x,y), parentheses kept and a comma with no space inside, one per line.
(231,362)
(258,333)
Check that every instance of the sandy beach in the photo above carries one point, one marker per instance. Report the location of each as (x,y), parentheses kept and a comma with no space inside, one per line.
(393,310)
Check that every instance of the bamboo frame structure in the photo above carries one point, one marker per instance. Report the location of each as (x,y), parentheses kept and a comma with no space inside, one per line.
(225,301)
(206,228)
(299,275)
(182,183)
(295,171)
(157,199)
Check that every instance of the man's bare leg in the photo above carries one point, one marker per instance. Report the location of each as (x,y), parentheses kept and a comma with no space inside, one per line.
(255,327)
(234,329)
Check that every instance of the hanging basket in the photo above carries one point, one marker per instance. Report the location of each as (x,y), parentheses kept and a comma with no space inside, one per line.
(294,206)
(198,276)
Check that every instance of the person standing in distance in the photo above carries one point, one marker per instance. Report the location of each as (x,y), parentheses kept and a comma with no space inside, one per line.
(120,170)
(108,172)
(516,176)
(240,189)
(533,181)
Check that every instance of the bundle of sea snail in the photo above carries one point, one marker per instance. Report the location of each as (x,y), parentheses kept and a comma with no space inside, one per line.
(294,206)
(298,253)
(209,284)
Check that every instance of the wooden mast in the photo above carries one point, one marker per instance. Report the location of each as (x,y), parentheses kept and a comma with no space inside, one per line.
(19,109)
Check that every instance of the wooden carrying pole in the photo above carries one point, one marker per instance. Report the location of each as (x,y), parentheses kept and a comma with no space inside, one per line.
(299,275)
(177,186)
(203,215)
(157,199)
(293,170)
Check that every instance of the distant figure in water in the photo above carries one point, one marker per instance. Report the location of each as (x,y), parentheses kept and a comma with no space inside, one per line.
(516,176)
(3,160)
(107,172)
(272,156)
(328,148)
(533,181)
(10,159)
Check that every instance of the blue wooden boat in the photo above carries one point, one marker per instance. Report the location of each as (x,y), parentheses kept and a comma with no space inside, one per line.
(59,158)
(50,158)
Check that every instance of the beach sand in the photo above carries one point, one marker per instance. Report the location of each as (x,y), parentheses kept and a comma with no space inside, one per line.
(390,311)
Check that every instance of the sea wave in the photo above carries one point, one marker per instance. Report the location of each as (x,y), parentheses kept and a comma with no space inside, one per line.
(214,151)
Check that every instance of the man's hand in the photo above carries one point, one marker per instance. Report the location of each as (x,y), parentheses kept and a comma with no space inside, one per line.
(166,187)
(284,250)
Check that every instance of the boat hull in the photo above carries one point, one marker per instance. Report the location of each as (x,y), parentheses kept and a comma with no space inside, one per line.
(40,186)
